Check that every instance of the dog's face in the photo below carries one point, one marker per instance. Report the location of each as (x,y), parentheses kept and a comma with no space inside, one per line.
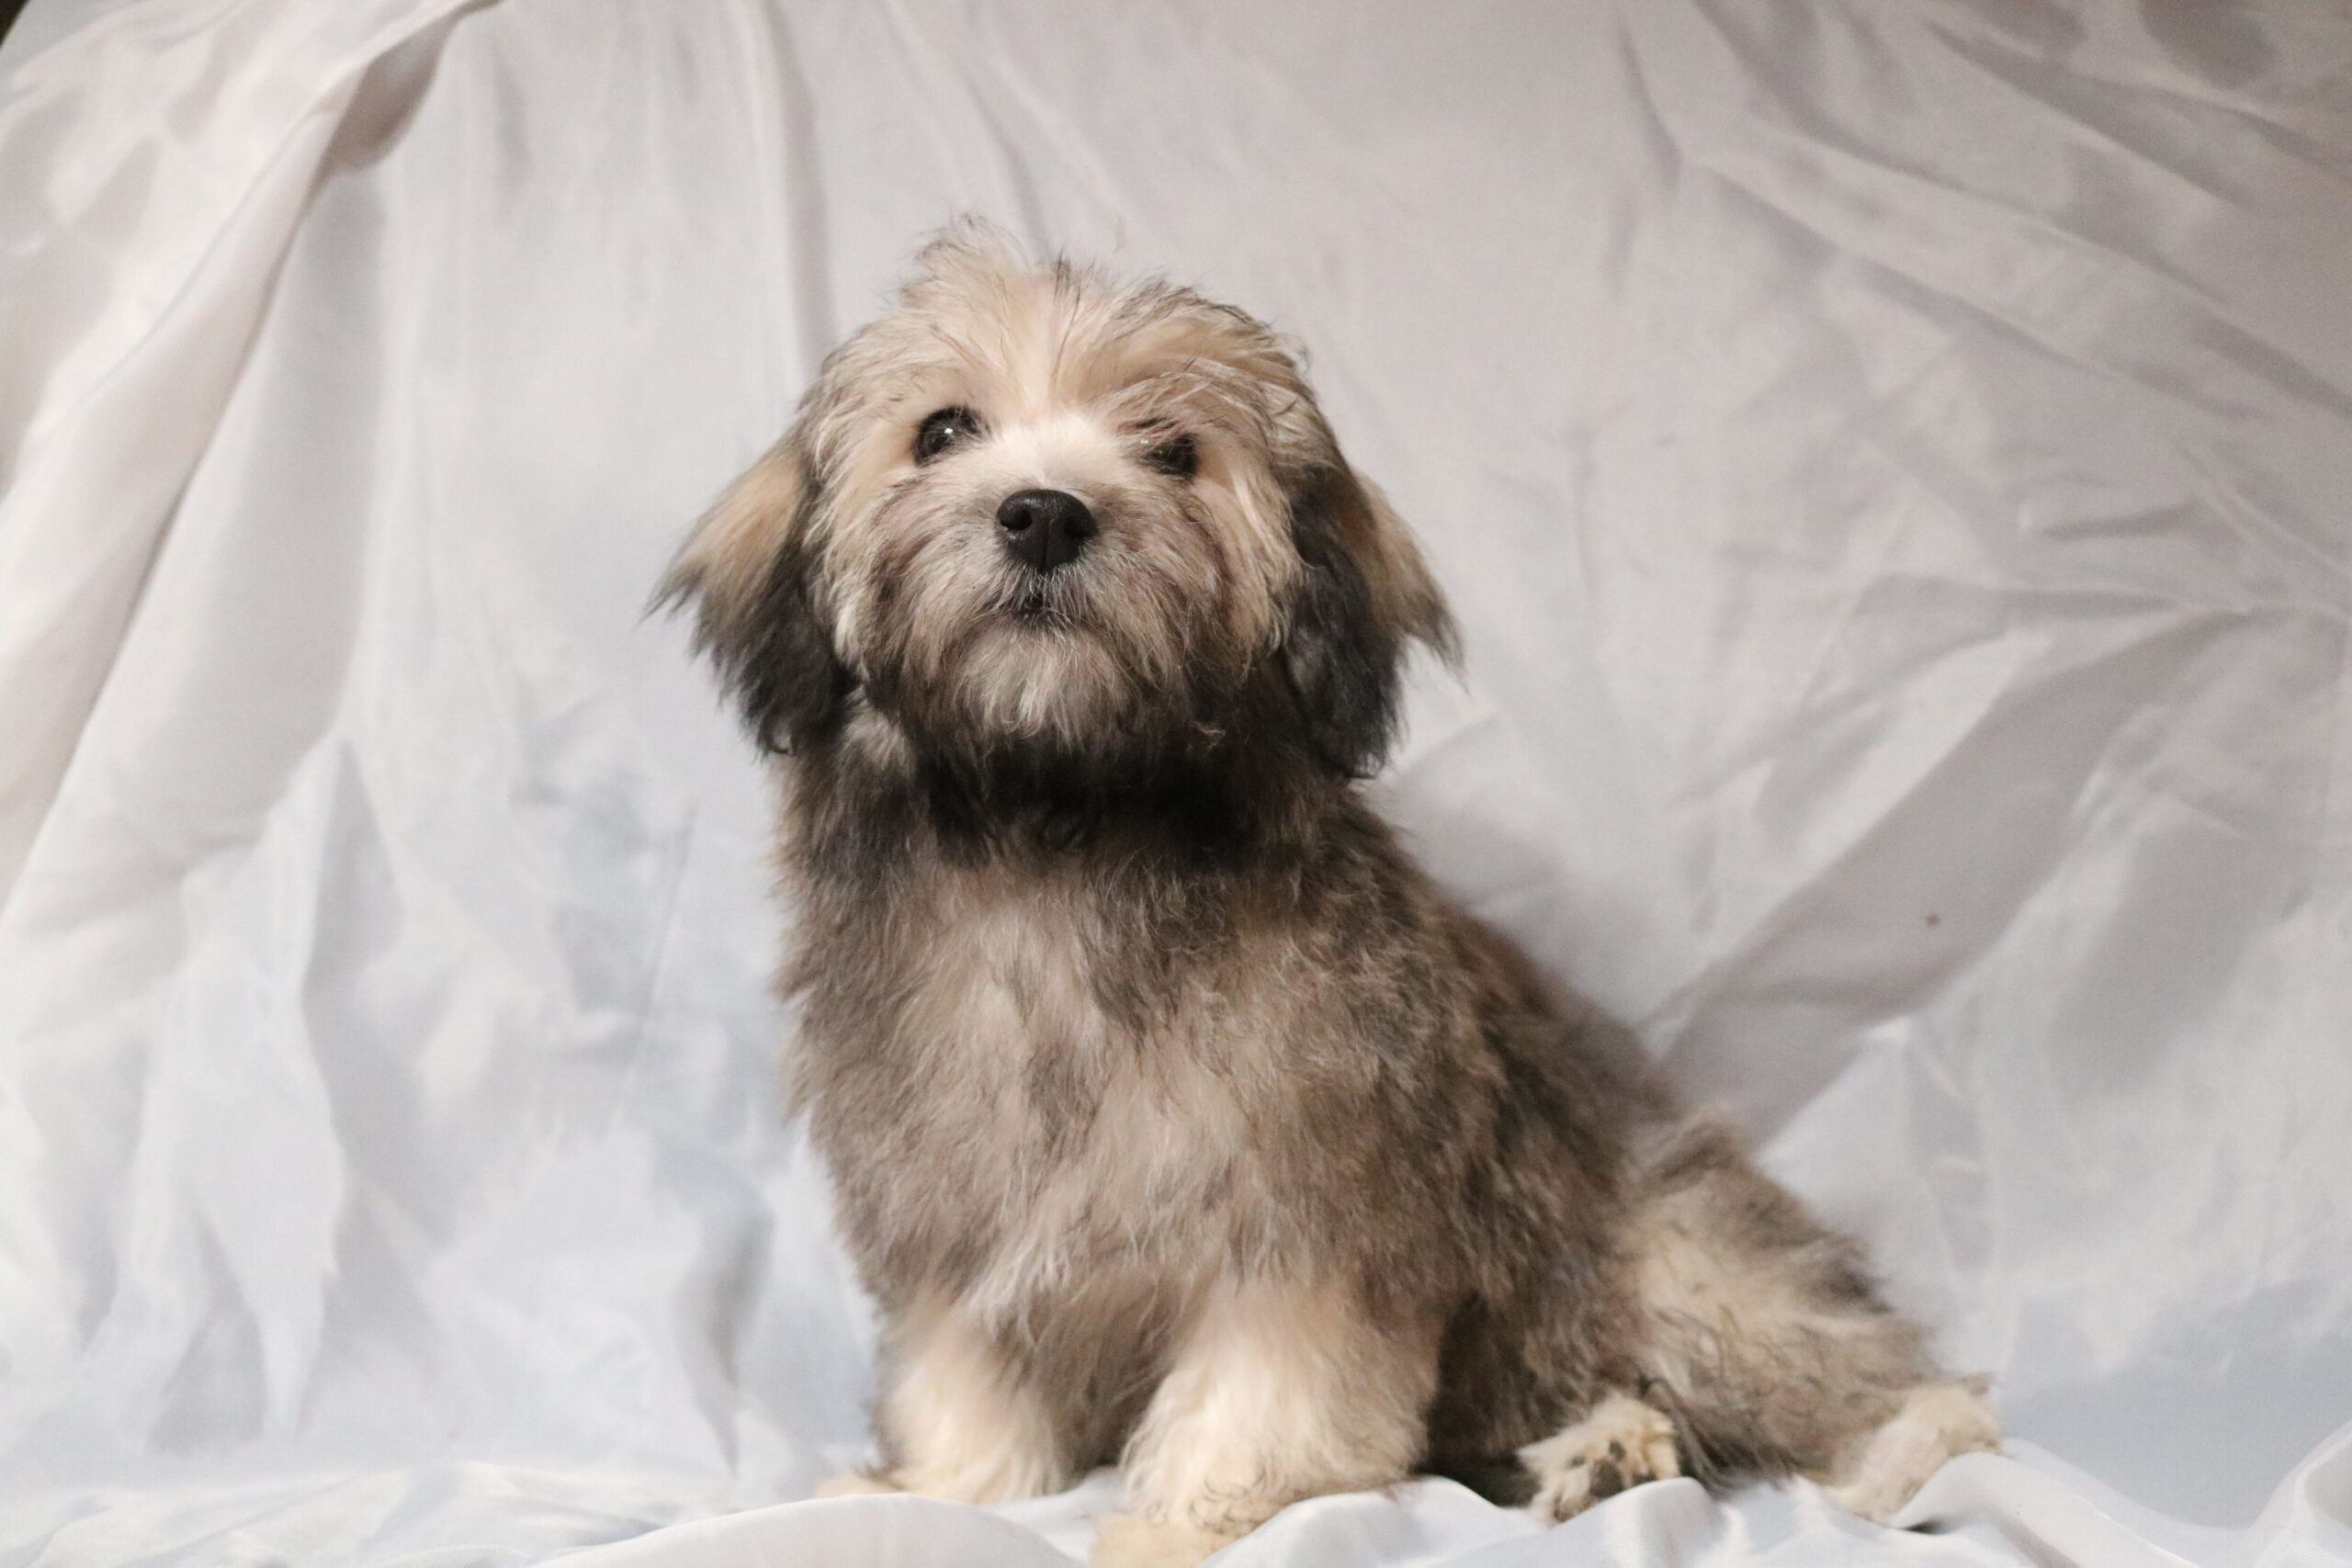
(1037,513)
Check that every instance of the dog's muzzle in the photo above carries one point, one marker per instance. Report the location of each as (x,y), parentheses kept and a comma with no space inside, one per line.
(1045,528)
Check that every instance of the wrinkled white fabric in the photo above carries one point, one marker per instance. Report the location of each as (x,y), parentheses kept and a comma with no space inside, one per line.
(1893,461)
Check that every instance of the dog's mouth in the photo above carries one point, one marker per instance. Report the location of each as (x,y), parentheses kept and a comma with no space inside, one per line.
(1036,605)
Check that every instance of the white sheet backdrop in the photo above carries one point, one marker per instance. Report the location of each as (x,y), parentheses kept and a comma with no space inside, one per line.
(1893,460)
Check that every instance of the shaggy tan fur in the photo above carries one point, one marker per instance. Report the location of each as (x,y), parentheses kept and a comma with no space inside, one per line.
(1174,1114)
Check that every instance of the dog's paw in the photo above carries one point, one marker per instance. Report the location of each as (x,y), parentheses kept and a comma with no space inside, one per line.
(1937,1422)
(1622,1443)
(856,1483)
(1131,1540)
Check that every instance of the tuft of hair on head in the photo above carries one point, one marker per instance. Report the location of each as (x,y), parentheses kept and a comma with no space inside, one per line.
(969,267)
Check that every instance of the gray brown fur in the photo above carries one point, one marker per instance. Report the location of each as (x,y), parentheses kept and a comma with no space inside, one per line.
(1133,1039)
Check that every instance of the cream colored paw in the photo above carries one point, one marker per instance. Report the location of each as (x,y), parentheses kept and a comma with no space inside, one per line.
(1622,1443)
(855,1483)
(1131,1540)
(1937,1421)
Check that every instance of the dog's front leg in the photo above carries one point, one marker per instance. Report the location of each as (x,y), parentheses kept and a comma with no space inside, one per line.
(960,1419)
(1280,1390)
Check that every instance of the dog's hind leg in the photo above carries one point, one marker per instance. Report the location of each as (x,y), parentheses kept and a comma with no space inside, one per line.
(1768,1344)
(1879,1473)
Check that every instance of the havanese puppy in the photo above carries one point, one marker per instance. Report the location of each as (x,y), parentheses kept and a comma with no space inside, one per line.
(1176,1117)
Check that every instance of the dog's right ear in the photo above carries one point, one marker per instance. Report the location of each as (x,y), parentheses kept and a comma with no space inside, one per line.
(748,569)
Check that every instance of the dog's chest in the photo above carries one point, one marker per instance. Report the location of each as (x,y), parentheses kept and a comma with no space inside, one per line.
(1054,1105)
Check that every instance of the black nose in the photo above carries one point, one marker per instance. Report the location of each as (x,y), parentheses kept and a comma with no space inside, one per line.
(1047,528)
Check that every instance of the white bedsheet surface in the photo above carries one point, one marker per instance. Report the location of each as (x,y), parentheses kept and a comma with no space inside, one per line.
(1893,460)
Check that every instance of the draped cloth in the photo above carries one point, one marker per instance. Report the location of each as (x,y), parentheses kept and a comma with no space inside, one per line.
(1893,462)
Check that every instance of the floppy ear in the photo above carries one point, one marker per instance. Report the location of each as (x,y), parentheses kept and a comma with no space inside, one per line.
(1363,593)
(748,569)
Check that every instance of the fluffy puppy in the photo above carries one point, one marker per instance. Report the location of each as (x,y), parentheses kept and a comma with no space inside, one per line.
(1176,1118)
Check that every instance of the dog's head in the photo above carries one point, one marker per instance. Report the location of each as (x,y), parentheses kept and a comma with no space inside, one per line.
(1036,512)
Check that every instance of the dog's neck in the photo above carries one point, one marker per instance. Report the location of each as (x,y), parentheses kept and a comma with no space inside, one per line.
(868,797)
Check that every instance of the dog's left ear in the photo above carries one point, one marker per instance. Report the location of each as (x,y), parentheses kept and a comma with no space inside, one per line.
(748,569)
(1363,593)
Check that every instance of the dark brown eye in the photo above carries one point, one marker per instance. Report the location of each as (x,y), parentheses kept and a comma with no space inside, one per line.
(1176,457)
(945,429)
